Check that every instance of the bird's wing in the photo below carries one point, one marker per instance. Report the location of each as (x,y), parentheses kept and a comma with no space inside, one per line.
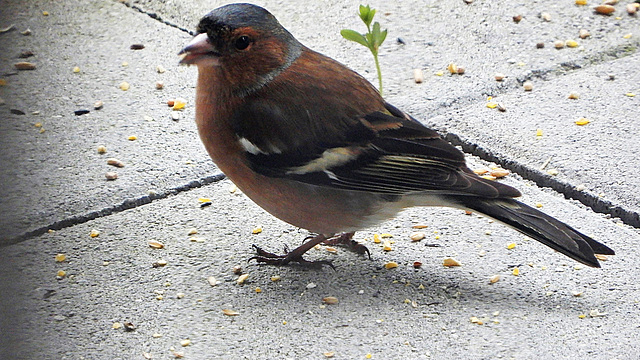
(385,152)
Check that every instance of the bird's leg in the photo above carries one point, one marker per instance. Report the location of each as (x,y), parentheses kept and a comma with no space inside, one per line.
(295,255)
(346,239)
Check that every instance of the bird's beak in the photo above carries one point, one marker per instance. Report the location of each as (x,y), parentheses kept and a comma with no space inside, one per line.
(198,51)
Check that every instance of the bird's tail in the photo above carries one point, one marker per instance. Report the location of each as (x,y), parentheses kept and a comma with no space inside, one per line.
(538,226)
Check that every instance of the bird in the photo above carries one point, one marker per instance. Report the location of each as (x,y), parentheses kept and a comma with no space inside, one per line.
(314,143)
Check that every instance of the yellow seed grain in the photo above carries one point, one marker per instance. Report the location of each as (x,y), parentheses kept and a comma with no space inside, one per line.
(179,104)
(539,205)
(258,290)
(574,95)
(132,138)
(453,68)
(61,273)
(539,132)
(61,257)
(230,312)
(630,94)
(124,86)
(94,233)
(494,279)
(572,43)
(627,36)
(391,265)
(511,246)
(515,271)
(275,278)
(449,262)
(376,238)
(256,230)
(116,325)
(581,2)
(204,200)
(492,105)
(582,121)
(582,316)
(242,278)
(155,244)
(76,69)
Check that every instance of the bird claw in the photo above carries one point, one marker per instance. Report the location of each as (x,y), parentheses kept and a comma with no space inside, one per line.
(269,258)
(346,239)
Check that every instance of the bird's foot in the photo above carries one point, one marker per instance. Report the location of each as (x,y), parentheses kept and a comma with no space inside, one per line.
(295,255)
(346,239)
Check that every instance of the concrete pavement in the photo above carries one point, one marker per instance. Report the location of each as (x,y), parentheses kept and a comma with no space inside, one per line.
(53,178)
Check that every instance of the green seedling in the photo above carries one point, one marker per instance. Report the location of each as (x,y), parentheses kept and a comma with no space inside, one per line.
(371,40)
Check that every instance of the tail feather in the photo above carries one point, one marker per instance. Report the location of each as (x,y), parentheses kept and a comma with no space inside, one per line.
(538,226)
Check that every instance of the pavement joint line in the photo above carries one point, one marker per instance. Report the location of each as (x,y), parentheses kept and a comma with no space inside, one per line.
(157,17)
(541,179)
(126,204)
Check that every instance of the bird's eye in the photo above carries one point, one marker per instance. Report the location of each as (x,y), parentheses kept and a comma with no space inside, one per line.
(242,42)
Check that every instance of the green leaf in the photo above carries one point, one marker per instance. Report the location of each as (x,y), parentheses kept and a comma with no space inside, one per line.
(364,14)
(353,35)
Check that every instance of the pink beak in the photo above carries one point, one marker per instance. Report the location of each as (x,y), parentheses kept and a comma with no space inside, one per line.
(198,50)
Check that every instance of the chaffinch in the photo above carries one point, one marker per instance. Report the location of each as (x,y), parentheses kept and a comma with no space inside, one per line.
(314,143)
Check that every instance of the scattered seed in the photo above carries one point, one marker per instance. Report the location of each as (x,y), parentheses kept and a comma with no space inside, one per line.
(275,278)
(515,271)
(136,47)
(572,43)
(111,175)
(170,102)
(61,257)
(420,226)
(499,76)
(627,36)
(492,104)
(256,230)
(237,269)
(212,281)
(330,300)
(160,263)
(160,69)
(185,342)
(499,173)
(527,85)
(460,70)
(574,95)
(558,44)
(179,104)
(577,293)
(230,312)
(501,107)
(630,94)
(604,9)
(129,326)
(602,257)
(494,279)
(582,121)
(553,172)
(45,13)
(584,33)
(155,244)
(539,205)
(205,204)
(581,2)
(27,32)
(328,354)
(124,86)
(517,18)
(417,236)
(480,171)
(132,138)
(116,325)
(94,233)
(511,246)
(391,265)
(159,85)
(539,45)
(545,16)
(98,105)
(76,70)
(24,65)
(453,68)
(417,264)
(176,115)
(449,262)
(331,249)
(596,313)
(115,162)
(632,8)
(418,76)
(539,132)
(242,278)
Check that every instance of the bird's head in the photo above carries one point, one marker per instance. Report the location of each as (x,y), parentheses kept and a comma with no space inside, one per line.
(245,42)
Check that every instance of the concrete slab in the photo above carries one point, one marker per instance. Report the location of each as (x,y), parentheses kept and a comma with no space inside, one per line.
(397,313)
(52,171)
(55,179)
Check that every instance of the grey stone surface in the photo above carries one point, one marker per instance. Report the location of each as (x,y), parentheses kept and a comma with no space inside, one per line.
(55,179)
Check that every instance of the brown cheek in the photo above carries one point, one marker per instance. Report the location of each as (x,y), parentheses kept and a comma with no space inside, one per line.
(249,66)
